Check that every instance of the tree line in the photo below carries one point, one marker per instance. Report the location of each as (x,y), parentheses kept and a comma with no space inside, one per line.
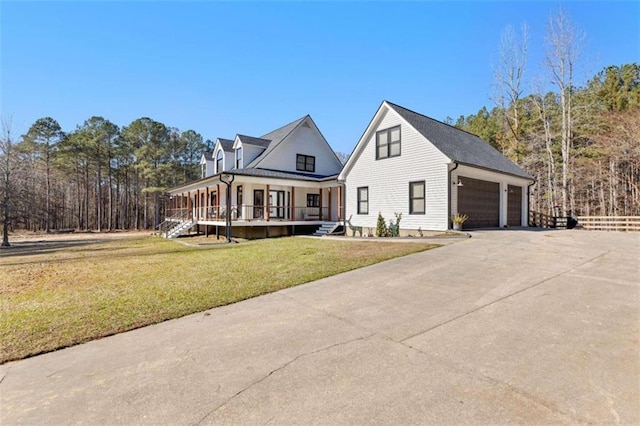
(596,169)
(97,177)
(581,142)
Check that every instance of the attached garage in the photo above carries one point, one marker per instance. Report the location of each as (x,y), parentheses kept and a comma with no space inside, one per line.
(456,173)
(514,206)
(480,200)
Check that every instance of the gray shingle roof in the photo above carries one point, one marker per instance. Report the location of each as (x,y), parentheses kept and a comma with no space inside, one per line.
(250,140)
(280,175)
(458,145)
(208,156)
(276,136)
(227,144)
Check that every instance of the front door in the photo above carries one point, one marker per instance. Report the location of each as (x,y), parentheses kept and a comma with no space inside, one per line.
(276,204)
(239,202)
(258,204)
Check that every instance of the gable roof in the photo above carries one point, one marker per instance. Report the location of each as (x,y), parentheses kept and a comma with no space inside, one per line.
(208,156)
(460,146)
(227,144)
(250,140)
(276,136)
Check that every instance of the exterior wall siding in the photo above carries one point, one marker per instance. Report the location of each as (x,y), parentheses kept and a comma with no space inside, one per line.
(249,153)
(388,180)
(304,140)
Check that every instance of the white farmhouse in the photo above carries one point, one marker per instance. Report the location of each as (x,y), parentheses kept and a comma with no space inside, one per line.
(281,183)
(427,170)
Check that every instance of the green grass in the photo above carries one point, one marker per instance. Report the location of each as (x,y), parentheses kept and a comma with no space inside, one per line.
(69,295)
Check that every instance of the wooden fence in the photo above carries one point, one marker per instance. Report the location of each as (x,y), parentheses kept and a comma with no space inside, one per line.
(541,220)
(610,223)
(595,223)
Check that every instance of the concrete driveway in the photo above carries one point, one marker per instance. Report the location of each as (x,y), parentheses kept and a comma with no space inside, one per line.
(505,327)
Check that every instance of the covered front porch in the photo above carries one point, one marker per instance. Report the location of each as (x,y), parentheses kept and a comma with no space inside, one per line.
(249,201)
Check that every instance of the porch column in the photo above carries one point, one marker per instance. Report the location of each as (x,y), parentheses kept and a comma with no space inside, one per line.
(267,205)
(218,199)
(198,203)
(339,203)
(320,212)
(189,206)
(330,204)
(206,204)
(293,203)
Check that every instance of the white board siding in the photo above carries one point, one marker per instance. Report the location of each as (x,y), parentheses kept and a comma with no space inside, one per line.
(504,180)
(389,188)
(303,140)
(249,153)
(209,167)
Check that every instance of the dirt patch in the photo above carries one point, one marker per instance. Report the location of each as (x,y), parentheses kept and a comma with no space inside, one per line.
(23,236)
(40,242)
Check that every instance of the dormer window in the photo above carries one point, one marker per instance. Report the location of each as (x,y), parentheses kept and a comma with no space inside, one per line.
(305,163)
(239,158)
(220,162)
(204,170)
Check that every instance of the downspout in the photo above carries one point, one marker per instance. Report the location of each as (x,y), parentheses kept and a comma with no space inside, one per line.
(449,194)
(529,202)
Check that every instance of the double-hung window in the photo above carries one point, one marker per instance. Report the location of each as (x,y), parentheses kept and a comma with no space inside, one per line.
(313,200)
(363,200)
(305,163)
(219,162)
(416,197)
(239,158)
(388,143)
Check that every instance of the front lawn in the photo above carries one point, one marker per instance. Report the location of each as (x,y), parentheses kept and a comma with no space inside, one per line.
(53,298)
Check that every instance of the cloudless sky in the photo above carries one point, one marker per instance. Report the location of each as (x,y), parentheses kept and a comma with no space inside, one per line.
(222,68)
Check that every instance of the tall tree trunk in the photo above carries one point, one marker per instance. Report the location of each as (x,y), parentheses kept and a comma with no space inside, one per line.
(48,191)
(7,149)
(99,198)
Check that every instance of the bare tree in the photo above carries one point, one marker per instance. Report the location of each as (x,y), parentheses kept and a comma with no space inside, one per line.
(508,76)
(6,165)
(563,43)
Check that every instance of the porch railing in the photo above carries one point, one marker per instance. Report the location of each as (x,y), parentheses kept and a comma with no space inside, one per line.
(248,212)
(178,214)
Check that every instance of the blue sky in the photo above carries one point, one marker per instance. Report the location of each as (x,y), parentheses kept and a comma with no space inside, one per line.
(222,68)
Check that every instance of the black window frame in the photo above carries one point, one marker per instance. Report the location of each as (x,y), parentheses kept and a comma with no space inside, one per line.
(313,200)
(238,157)
(388,144)
(360,200)
(412,197)
(220,162)
(305,163)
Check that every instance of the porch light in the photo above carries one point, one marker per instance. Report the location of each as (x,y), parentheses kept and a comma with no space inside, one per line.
(459,183)
(227,179)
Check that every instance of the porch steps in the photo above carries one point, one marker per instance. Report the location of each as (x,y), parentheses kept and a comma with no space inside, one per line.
(326,228)
(179,229)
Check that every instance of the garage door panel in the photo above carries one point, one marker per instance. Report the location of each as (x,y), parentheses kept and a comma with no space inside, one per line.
(480,200)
